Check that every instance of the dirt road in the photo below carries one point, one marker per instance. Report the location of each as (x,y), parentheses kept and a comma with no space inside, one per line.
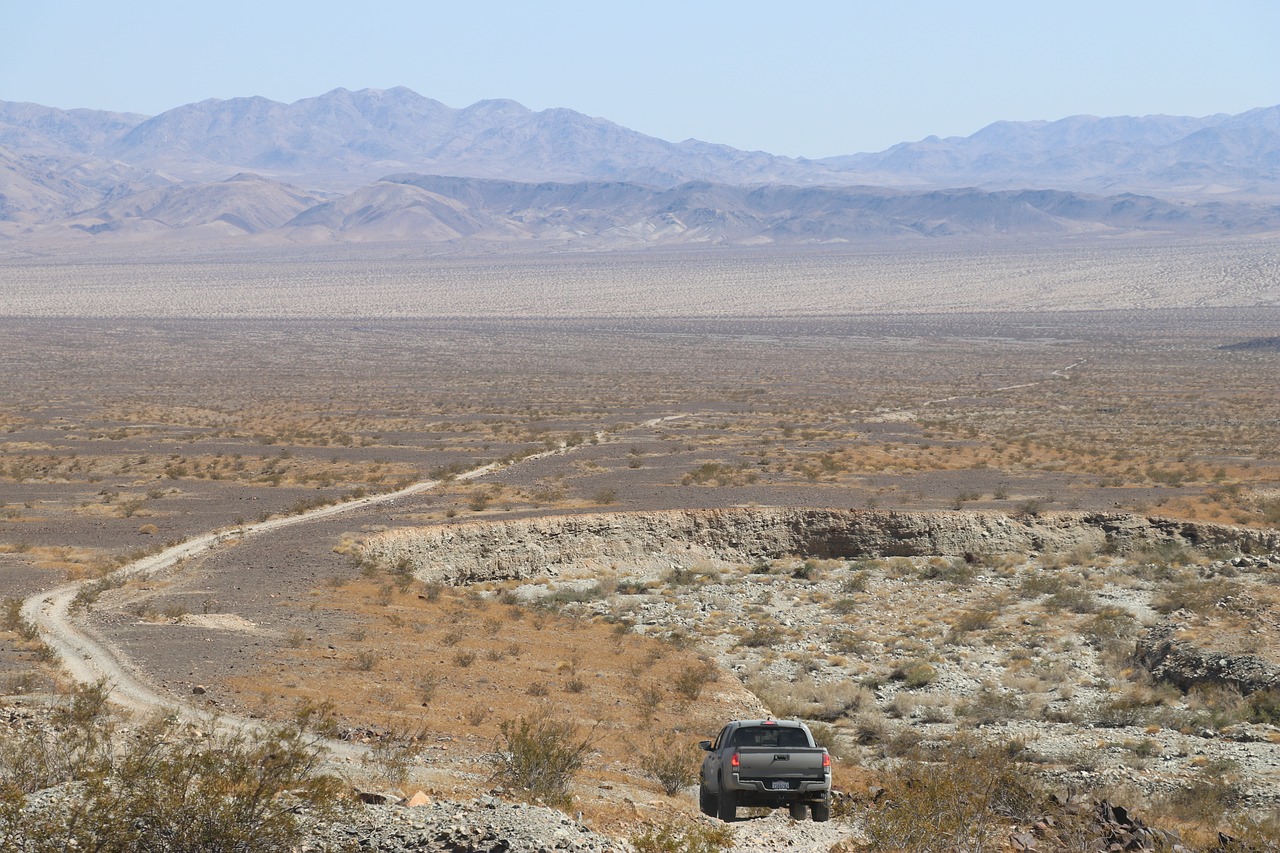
(88,658)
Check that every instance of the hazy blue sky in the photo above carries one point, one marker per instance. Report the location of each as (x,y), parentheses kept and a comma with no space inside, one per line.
(798,78)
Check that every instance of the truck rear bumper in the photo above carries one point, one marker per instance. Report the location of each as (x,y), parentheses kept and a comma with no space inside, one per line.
(769,791)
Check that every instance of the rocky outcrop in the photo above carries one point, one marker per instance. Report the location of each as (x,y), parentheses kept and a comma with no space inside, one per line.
(649,541)
(1185,665)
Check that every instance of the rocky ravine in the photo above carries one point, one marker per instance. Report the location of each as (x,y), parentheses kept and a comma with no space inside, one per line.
(911,627)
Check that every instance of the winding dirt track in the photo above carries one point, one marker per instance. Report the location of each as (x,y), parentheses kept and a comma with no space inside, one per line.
(88,658)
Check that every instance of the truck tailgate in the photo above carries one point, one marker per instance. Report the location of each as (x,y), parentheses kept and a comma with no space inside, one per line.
(762,762)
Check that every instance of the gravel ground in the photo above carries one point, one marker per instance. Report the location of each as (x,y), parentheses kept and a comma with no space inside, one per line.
(491,824)
(485,824)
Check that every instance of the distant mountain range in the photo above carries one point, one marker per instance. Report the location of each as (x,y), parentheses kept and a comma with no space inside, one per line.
(378,165)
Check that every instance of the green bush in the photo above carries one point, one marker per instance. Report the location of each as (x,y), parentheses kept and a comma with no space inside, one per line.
(963,800)
(1264,707)
(173,788)
(914,674)
(690,683)
(672,762)
(678,838)
(540,755)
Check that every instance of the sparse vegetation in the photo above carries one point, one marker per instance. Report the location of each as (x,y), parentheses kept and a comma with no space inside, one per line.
(765,419)
(683,838)
(672,762)
(165,787)
(962,799)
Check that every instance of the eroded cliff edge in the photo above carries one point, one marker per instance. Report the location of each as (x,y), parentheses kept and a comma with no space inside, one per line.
(579,544)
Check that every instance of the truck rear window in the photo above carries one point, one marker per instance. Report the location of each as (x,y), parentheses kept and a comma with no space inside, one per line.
(771,736)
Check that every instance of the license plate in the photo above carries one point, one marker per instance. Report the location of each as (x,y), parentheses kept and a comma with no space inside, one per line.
(780,785)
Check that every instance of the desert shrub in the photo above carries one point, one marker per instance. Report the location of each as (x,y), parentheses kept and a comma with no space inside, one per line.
(1031,507)
(428,685)
(173,788)
(961,799)
(807,571)
(1074,599)
(1202,597)
(35,759)
(402,573)
(762,636)
(13,620)
(856,582)
(672,762)
(1254,834)
(557,599)
(83,706)
(844,606)
(683,838)
(976,618)
(1110,627)
(680,576)
(870,728)
(954,571)
(901,743)
(88,594)
(1134,707)
(1204,800)
(1165,554)
(810,699)
(540,755)
(847,642)
(1037,583)
(990,706)
(913,674)
(827,736)
(1264,707)
(391,757)
(719,474)
(690,683)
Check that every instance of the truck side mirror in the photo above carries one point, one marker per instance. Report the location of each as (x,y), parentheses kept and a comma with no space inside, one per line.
(704,745)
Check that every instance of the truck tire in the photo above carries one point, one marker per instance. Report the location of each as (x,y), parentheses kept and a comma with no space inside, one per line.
(821,812)
(799,811)
(706,801)
(727,806)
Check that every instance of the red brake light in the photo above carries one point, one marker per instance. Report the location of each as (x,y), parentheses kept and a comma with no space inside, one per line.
(734,761)
(826,759)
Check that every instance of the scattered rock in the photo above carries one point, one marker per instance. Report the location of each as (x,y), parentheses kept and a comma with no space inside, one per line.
(1186,666)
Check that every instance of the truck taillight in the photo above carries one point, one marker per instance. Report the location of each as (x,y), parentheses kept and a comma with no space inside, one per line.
(826,759)
(734,761)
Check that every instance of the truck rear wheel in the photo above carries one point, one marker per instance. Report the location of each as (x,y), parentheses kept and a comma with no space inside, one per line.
(706,801)
(727,806)
(799,811)
(821,812)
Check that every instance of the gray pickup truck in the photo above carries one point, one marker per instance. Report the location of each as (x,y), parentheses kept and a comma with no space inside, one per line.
(771,763)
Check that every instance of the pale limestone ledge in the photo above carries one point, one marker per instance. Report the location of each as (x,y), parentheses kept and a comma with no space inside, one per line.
(647,543)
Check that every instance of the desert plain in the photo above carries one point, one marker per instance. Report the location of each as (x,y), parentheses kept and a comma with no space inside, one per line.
(147,399)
